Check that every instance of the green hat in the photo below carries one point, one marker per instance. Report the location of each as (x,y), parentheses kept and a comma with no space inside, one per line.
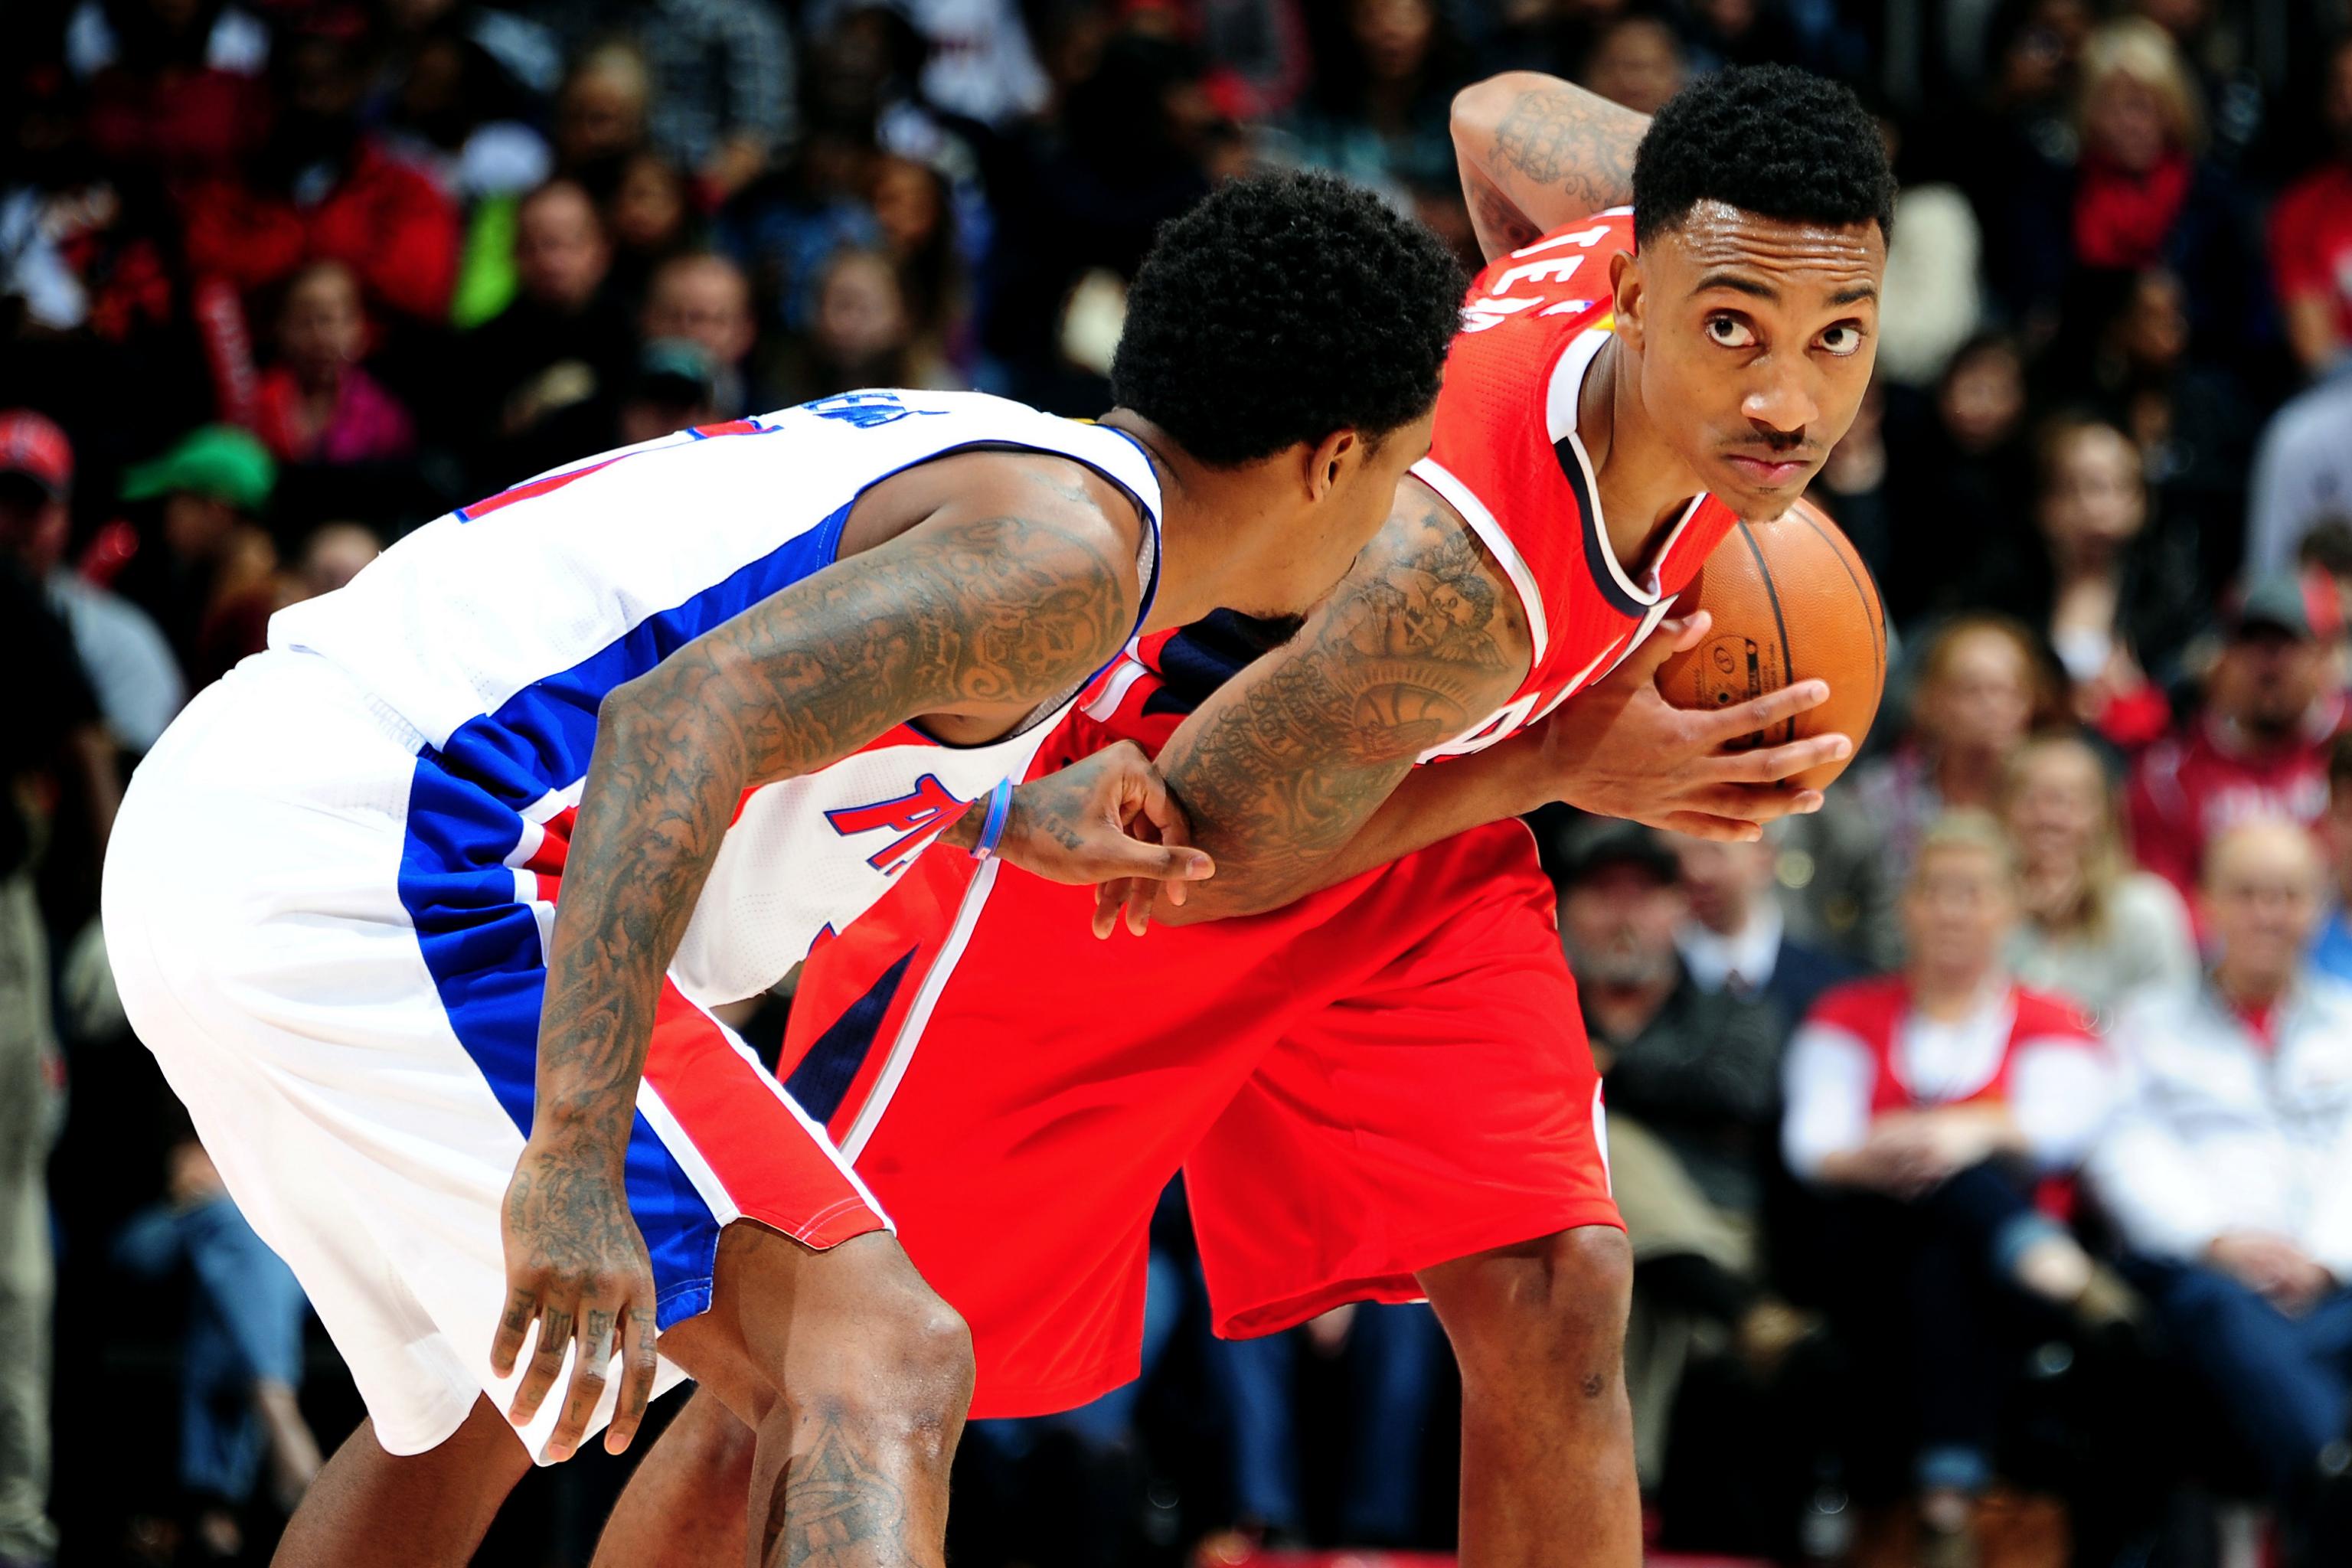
(219,460)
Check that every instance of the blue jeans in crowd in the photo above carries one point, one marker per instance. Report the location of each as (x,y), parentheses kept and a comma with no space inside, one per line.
(245,1328)
(2286,1382)
(1394,1359)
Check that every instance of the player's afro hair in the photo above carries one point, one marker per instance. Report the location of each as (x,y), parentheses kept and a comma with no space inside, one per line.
(1282,307)
(1769,140)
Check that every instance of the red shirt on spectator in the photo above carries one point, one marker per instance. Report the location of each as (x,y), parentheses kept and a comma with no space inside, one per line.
(384,220)
(2187,789)
(2310,241)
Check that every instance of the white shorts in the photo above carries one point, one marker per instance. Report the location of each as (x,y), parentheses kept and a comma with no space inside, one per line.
(324,937)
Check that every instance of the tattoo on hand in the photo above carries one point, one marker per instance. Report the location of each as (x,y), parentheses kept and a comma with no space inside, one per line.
(1571,142)
(1283,767)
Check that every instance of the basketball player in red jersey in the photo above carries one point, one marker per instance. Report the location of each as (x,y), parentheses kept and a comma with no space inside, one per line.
(1382,1091)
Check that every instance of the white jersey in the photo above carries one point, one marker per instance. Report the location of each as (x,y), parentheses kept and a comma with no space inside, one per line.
(494,633)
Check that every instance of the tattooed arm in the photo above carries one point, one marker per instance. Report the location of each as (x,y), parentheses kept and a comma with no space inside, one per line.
(1536,153)
(1282,766)
(994,603)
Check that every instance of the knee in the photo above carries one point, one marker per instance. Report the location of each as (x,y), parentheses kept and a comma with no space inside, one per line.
(903,1373)
(1553,1308)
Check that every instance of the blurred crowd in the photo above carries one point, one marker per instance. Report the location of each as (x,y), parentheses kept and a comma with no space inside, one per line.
(1986,1140)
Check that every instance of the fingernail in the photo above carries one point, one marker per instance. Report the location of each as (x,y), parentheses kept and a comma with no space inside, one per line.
(1201,869)
(1844,748)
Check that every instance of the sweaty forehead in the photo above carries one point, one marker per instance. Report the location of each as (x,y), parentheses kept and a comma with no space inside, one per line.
(1716,238)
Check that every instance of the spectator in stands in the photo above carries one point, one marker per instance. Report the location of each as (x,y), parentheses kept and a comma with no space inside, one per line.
(1690,1074)
(721,78)
(318,403)
(1925,1108)
(2137,195)
(1982,686)
(324,189)
(2113,591)
(2229,1169)
(206,570)
(563,340)
(2302,475)
(1936,303)
(2259,747)
(650,218)
(129,664)
(1392,1356)
(1733,937)
(1371,113)
(2094,930)
(174,90)
(704,298)
(1635,59)
(2331,949)
(241,1355)
(333,554)
(1965,471)
(863,334)
(2311,233)
(601,113)
(1855,486)
(912,207)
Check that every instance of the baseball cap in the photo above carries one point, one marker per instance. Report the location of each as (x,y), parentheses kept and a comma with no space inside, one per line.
(217,460)
(2301,603)
(1585,848)
(32,445)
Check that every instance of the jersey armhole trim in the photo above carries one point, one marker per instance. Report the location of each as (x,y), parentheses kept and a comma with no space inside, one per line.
(1490,533)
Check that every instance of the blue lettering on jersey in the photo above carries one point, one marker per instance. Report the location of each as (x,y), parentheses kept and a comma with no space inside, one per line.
(865,409)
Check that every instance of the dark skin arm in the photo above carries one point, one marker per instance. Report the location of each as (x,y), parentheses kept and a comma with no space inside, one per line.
(996,600)
(1286,762)
(1537,153)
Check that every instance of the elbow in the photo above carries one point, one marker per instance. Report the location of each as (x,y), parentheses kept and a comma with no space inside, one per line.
(1479,109)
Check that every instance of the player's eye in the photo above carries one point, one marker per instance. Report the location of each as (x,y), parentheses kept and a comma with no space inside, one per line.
(1730,332)
(1841,341)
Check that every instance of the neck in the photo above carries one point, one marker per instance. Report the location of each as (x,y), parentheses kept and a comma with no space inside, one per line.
(1203,510)
(1645,483)
(1966,777)
(2245,990)
(1947,994)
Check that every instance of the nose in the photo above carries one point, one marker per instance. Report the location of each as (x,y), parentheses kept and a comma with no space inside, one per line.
(1781,399)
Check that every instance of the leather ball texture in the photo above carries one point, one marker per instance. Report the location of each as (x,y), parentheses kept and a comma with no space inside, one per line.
(1791,601)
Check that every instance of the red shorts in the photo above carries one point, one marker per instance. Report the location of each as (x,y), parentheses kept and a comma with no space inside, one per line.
(1380,1077)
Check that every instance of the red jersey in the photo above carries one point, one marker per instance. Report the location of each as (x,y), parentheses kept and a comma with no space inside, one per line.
(2186,790)
(2310,242)
(1872,1011)
(1505,456)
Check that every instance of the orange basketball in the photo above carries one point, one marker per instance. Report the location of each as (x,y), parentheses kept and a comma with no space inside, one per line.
(1791,601)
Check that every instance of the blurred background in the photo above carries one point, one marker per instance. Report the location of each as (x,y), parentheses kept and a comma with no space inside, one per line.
(1929,1268)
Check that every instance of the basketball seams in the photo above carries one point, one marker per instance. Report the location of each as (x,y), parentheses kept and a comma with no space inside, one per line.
(1871,609)
(1780,622)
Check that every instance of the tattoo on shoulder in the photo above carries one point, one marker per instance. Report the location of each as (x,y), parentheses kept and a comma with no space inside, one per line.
(1397,661)
(1572,142)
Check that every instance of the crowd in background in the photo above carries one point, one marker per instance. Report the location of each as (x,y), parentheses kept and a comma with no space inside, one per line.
(1985,1140)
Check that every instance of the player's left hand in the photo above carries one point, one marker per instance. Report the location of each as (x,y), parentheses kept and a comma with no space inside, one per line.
(1619,748)
(1109,820)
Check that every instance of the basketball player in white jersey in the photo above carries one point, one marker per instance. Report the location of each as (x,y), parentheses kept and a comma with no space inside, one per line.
(422,910)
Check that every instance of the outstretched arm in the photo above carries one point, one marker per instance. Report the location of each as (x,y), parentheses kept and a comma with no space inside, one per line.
(973,609)
(1536,153)
(1285,764)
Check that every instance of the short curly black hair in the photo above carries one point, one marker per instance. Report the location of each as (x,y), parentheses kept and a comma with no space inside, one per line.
(1770,139)
(1284,307)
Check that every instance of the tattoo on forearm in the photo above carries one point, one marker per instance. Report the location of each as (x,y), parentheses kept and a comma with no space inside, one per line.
(1281,769)
(1575,142)
(834,1507)
(1501,226)
(1002,610)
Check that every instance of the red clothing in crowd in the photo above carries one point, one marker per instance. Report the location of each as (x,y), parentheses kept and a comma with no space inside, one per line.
(2310,241)
(2122,217)
(2187,789)
(384,220)
(366,425)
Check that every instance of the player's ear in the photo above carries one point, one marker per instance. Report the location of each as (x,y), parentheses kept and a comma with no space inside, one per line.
(1625,285)
(1328,460)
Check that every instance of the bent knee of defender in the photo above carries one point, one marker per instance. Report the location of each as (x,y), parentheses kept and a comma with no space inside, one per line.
(899,1374)
(1555,1305)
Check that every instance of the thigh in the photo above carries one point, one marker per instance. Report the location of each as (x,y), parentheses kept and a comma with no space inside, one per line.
(1445,1105)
